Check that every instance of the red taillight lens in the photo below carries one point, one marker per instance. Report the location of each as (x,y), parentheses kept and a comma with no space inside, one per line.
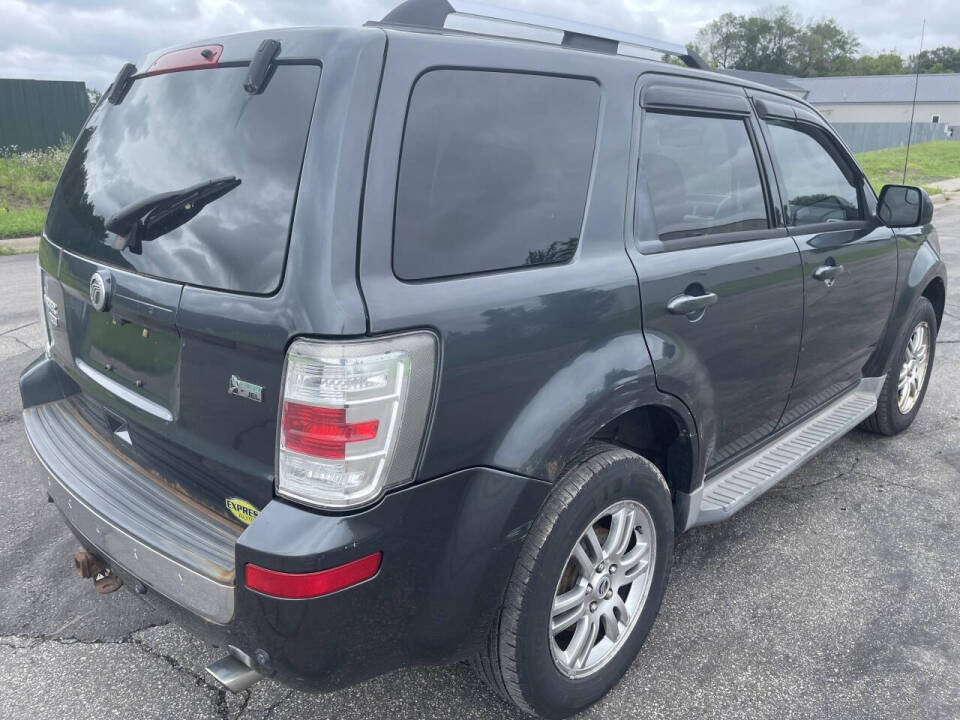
(352,416)
(205,56)
(322,432)
(298,586)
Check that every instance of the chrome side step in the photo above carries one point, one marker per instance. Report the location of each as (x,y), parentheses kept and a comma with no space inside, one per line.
(722,496)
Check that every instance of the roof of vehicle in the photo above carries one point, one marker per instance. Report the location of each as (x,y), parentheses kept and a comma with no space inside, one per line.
(481,18)
(432,16)
(298,43)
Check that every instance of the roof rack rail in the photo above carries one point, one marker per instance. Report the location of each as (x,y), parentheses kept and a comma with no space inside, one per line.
(483,19)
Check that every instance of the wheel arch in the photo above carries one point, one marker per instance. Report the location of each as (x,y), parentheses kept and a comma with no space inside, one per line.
(659,433)
(925,277)
(608,393)
(936,293)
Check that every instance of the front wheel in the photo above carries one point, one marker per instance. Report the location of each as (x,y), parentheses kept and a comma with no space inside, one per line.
(587,585)
(908,373)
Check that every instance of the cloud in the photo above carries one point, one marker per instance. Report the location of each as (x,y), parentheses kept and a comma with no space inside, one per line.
(67,40)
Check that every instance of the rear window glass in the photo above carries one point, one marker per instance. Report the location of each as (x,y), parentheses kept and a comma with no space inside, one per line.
(175,131)
(494,172)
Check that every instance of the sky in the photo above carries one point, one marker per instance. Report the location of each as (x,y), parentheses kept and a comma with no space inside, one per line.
(90,40)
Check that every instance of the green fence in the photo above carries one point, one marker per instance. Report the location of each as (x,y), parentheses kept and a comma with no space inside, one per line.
(38,113)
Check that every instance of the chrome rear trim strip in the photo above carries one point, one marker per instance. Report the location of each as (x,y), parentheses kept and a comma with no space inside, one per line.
(124,393)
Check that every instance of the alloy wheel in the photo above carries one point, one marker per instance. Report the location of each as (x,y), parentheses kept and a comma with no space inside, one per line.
(913,372)
(602,589)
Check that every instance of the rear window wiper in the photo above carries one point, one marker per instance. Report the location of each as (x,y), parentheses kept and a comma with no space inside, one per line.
(158,214)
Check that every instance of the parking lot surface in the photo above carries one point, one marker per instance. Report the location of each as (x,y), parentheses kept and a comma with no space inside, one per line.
(836,595)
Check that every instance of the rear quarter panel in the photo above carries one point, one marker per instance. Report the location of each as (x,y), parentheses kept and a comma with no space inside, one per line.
(533,361)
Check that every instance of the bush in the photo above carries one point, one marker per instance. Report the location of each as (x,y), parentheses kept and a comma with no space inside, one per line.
(27,181)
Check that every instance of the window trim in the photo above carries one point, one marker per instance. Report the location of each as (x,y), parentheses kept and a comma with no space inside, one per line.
(667,97)
(839,155)
(655,247)
(591,178)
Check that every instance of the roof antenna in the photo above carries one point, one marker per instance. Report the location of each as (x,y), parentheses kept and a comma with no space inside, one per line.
(913,108)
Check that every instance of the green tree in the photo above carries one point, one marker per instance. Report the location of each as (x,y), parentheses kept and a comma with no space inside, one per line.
(938,60)
(889,63)
(776,40)
(821,46)
(720,40)
(780,41)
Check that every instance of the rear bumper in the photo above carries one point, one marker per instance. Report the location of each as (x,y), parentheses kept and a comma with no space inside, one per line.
(177,549)
(448,547)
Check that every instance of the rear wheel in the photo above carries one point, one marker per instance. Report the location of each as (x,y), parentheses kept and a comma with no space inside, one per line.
(587,586)
(908,373)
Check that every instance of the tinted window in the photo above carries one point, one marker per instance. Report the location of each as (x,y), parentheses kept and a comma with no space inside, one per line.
(817,190)
(177,130)
(700,175)
(493,172)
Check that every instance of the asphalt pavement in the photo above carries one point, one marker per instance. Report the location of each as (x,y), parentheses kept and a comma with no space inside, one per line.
(836,595)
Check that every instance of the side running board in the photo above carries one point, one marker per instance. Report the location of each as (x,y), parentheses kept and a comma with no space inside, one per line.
(720,497)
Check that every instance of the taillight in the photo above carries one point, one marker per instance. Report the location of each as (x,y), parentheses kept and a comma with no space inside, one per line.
(323,432)
(352,417)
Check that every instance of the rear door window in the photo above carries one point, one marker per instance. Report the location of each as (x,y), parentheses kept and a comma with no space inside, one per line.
(494,172)
(700,175)
(175,131)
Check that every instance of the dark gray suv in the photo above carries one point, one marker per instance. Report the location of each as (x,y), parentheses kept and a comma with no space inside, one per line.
(421,342)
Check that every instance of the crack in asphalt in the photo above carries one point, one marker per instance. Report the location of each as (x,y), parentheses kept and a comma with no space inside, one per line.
(818,483)
(278,703)
(852,470)
(16,339)
(243,705)
(36,641)
(20,327)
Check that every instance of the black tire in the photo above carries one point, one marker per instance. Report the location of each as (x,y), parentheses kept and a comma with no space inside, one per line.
(888,419)
(517,661)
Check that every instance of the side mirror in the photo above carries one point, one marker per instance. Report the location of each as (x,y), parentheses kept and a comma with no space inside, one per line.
(904,206)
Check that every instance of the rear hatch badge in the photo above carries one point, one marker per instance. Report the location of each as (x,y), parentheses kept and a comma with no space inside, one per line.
(244,389)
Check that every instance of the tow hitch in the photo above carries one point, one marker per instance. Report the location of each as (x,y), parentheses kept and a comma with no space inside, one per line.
(87,565)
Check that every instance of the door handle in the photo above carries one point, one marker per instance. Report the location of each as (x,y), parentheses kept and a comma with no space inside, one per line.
(828,272)
(689,304)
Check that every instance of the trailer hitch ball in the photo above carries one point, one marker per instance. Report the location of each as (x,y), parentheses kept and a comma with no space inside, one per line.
(89,566)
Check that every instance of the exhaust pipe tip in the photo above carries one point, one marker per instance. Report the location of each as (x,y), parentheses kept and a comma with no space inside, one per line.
(233,674)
